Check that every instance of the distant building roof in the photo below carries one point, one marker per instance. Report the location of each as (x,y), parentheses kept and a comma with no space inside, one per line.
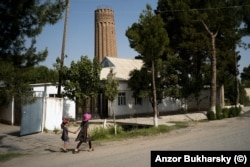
(247,92)
(121,67)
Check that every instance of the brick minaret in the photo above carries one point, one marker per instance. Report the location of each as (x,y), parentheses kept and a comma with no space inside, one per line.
(105,36)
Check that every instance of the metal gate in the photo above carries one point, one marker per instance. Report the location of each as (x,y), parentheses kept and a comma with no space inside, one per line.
(32,116)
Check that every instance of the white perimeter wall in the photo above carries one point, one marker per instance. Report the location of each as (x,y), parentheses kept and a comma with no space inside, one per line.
(69,107)
(53,113)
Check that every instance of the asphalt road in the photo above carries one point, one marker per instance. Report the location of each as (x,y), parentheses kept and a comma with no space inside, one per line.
(226,134)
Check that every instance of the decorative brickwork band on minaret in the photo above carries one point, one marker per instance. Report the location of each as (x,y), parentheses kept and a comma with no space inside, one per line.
(105,36)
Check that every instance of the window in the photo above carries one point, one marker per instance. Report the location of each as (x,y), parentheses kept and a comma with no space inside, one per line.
(138,101)
(121,98)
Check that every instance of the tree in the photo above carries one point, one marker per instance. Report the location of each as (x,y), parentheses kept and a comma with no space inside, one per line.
(149,38)
(20,21)
(81,81)
(6,79)
(111,91)
(42,74)
(189,47)
(140,82)
(201,31)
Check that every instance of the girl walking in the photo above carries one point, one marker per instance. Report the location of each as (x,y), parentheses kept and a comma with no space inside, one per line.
(84,134)
(65,134)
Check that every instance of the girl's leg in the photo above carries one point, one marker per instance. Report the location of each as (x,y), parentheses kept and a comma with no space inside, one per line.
(90,146)
(78,146)
(65,145)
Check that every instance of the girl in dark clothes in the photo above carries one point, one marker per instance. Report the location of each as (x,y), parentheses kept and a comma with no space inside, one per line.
(84,135)
(65,134)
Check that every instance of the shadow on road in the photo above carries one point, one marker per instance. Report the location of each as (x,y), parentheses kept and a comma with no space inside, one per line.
(16,133)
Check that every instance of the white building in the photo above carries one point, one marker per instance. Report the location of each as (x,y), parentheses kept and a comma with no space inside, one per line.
(125,104)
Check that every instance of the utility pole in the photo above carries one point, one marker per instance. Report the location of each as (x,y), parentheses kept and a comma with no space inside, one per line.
(63,49)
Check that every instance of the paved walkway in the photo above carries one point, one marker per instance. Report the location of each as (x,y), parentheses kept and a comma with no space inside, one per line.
(44,143)
(164,120)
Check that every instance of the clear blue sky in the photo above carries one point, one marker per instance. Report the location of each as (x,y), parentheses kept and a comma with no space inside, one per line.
(80,31)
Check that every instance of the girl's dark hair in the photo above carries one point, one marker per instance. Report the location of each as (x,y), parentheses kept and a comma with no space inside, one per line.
(64,122)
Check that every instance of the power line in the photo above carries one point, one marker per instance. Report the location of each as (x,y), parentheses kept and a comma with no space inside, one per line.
(205,9)
(175,10)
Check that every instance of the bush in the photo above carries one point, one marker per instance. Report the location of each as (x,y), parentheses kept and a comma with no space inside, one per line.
(56,131)
(100,133)
(211,115)
(239,109)
(45,130)
(125,132)
(106,133)
(234,111)
(219,114)
(225,112)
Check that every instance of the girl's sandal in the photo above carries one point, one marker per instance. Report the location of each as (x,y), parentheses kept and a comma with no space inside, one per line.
(76,151)
(91,149)
(64,150)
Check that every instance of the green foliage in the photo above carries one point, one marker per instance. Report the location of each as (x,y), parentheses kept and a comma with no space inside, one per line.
(169,78)
(100,134)
(56,131)
(111,86)
(219,114)
(139,83)
(110,90)
(45,130)
(211,115)
(234,112)
(22,21)
(190,42)
(8,156)
(13,81)
(166,82)
(6,82)
(82,80)
(148,37)
(224,113)
(42,74)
